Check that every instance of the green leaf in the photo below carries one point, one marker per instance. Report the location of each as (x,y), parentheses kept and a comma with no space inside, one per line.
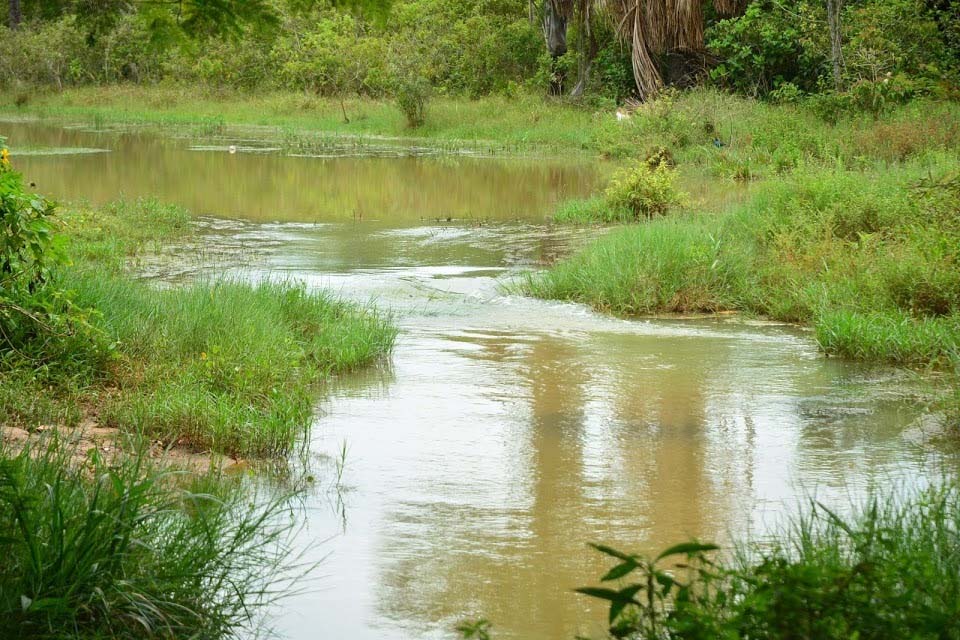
(687,548)
(666,581)
(620,570)
(613,552)
(624,595)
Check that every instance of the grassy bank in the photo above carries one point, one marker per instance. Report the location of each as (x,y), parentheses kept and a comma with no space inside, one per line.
(216,365)
(758,139)
(871,259)
(888,571)
(523,123)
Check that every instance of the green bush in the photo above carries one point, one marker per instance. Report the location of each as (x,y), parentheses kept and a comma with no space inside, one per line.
(332,55)
(904,42)
(412,94)
(764,49)
(39,324)
(643,190)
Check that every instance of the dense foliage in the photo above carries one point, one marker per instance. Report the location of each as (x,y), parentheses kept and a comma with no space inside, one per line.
(892,49)
(39,324)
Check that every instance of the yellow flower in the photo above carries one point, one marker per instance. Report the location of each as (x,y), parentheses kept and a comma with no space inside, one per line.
(5,157)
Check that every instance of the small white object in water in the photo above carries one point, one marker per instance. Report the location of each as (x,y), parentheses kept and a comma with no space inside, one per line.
(233,148)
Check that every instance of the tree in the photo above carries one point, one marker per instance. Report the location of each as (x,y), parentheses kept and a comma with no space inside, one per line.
(556,13)
(836,44)
(16,14)
(655,30)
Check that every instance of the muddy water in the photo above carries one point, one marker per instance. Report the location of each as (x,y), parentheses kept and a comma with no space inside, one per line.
(257,182)
(505,433)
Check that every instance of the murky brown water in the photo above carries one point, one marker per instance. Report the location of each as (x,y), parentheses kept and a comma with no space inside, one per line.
(258,185)
(505,433)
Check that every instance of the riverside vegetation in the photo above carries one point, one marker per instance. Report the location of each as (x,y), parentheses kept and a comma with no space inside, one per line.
(118,545)
(838,119)
(218,365)
(888,570)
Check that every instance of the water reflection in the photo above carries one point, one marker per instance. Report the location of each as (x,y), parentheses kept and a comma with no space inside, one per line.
(497,454)
(275,187)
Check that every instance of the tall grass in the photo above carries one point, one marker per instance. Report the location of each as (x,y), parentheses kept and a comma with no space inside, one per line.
(870,258)
(224,365)
(122,548)
(667,265)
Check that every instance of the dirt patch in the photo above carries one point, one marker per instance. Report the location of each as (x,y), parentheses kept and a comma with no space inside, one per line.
(89,437)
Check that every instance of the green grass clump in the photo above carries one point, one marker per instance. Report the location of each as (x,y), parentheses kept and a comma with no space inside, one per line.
(589,211)
(893,337)
(122,229)
(890,570)
(667,265)
(124,549)
(226,366)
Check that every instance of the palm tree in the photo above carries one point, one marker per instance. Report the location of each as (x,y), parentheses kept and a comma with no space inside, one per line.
(651,28)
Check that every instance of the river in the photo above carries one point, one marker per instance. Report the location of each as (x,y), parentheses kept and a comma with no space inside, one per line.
(504,433)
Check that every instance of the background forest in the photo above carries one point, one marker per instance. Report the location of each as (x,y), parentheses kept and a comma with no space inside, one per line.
(889,50)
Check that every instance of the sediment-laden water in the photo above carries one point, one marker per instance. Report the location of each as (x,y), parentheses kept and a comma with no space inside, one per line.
(504,433)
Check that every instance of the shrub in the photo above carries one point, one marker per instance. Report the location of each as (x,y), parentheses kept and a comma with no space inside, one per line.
(412,93)
(644,191)
(764,49)
(890,570)
(38,322)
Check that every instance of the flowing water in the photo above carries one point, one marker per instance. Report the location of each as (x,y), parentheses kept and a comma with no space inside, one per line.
(504,433)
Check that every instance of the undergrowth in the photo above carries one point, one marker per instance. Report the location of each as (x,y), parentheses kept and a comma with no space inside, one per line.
(890,570)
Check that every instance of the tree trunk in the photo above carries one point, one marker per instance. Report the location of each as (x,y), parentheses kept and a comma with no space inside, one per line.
(555,33)
(836,42)
(588,49)
(16,15)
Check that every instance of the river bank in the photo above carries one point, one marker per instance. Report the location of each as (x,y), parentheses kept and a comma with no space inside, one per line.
(730,137)
(217,366)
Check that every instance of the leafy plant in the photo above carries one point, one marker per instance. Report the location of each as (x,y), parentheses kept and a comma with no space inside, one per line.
(889,570)
(640,609)
(644,191)
(37,319)
(474,629)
